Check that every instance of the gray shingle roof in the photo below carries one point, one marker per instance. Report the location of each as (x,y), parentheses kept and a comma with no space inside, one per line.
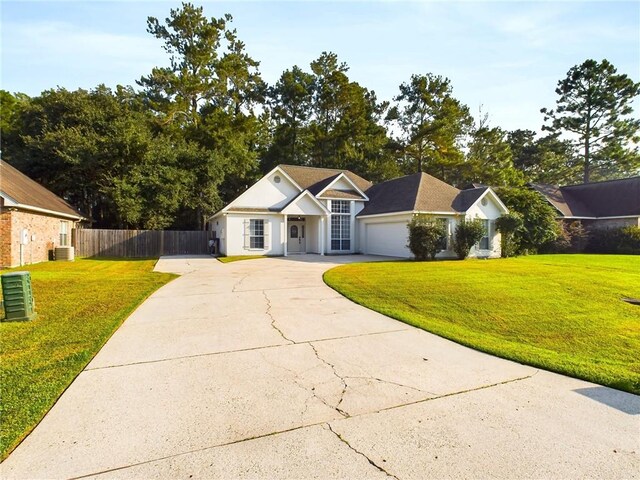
(418,192)
(468,197)
(315,179)
(29,193)
(612,198)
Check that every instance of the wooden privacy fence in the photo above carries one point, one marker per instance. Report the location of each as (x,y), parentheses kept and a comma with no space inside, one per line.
(139,243)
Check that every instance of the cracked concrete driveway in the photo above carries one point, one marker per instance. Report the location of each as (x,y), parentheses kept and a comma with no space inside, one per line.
(257,369)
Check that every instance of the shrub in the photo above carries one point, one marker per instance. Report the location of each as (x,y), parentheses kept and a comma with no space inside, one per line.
(624,240)
(538,217)
(468,233)
(604,240)
(425,237)
(572,238)
(630,241)
(508,225)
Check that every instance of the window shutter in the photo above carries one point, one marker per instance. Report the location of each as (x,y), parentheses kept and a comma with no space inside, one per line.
(267,231)
(246,233)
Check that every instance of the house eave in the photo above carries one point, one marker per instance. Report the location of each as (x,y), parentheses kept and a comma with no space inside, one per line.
(410,212)
(53,213)
(615,217)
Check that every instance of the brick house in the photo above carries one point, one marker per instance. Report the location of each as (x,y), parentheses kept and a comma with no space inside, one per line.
(33,220)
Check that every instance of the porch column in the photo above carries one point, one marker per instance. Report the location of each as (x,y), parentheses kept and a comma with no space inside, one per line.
(284,238)
(352,226)
(321,232)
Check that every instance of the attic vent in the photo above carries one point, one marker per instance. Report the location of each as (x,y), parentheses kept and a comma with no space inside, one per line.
(483,202)
(276,179)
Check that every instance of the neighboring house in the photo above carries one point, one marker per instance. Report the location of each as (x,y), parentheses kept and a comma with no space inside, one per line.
(295,209)
(33,220)
(608,204)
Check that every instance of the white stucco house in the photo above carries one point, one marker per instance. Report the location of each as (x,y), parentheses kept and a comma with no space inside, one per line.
(294,210)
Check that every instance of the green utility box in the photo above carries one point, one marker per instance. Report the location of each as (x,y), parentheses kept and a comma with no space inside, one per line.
(18,296)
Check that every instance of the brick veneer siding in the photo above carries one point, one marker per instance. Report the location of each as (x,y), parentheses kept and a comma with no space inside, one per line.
(46,229)
(611,222)
(5,239)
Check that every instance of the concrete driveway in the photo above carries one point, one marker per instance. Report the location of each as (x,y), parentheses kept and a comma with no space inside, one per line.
(256,369)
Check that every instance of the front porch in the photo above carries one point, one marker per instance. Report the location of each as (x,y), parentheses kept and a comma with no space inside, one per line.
(304,234)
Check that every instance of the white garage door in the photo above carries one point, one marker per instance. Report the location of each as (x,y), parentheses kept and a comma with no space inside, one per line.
(387,239)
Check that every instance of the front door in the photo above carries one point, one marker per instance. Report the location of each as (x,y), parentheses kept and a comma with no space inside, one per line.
(296,242)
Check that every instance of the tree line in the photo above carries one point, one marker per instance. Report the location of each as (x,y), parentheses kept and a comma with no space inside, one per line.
(191,136)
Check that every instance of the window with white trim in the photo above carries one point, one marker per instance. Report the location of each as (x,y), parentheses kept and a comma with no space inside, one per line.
(485,241)
(340,206)
(64,233)
(340,225)
(256,233)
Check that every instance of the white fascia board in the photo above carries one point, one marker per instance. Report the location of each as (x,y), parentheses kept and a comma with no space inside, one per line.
(8,201)
(618,217)
(53,213)
(244,213)
(303,194)
(276,169)
(285,175)
(488,191)
(454,214)
(343,175)
(376,215)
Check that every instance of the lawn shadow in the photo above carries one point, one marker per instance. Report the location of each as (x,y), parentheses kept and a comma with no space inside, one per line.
(625,402)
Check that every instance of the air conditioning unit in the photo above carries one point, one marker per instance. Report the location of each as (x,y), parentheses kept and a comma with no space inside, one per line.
(65,254)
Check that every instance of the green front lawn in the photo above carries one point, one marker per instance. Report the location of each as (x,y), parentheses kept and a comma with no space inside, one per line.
(79,304)
(559,312)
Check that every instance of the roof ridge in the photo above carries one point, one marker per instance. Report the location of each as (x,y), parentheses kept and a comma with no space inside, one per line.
(418,190)
(600,182)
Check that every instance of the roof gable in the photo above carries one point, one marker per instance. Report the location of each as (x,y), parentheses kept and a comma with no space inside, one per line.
(315,179)
(342,183)
(271,193)
(305,204)
(26,192)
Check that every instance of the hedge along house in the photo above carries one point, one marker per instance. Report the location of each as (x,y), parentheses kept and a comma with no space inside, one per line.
(33,220)
(294,209)
(608,204)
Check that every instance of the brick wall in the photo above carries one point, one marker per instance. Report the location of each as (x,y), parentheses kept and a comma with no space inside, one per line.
(5,239)
(612,222)
(47,236)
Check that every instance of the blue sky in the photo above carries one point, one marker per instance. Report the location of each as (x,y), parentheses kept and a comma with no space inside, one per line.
(505,56)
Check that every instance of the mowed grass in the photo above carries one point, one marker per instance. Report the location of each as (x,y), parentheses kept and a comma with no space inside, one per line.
(79,304)
(559,312)
(237,258)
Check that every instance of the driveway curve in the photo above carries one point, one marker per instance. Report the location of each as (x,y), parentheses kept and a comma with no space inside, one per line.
(257,369)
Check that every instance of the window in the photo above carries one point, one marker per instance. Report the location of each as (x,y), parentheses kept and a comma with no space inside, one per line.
(340,225)
(340,232)
(340,206)
(485,244)
(256,233)
(64,233)
(294,231)
(442,243)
